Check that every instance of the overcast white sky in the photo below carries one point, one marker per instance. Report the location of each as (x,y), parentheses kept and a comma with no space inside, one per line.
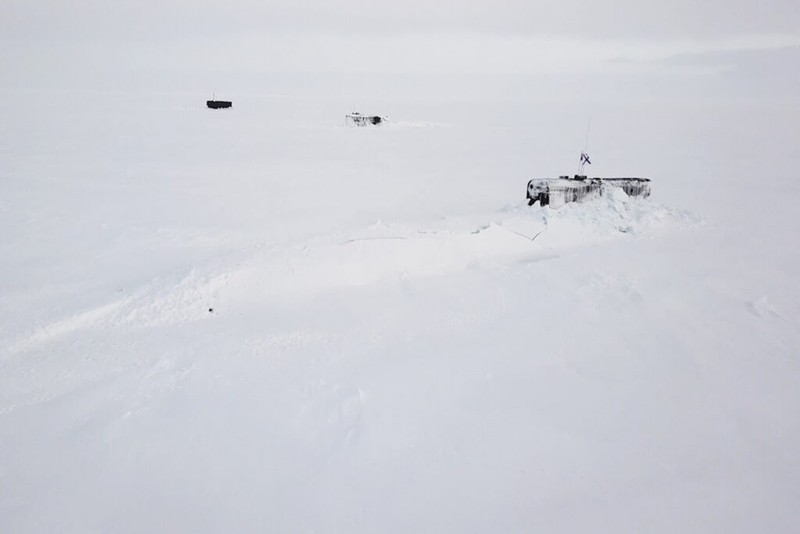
(71,39)
(74,19)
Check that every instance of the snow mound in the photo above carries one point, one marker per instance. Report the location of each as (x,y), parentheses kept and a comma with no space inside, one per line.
(401,124)
(384,251)
(614,215)
(377,253)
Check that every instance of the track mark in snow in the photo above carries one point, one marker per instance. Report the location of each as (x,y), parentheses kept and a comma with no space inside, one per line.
(160,302)
(289,341)
(346,414)
(331,414)
(622,291)
(163,378)
(66,326)
(357,239)
(187,300)
(761,307)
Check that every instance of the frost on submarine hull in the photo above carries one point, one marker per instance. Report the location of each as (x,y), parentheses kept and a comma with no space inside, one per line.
(580,187)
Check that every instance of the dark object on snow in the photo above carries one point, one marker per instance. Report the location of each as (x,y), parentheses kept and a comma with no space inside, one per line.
(364,120)
(579,187)
(218,104)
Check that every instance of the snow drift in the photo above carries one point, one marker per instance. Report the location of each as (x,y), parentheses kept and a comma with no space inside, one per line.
(260,320)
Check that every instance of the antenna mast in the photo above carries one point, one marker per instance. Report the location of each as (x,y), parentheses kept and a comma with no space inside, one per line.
(585,154)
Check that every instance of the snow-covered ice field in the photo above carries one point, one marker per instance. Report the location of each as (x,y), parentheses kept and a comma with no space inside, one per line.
(261,320)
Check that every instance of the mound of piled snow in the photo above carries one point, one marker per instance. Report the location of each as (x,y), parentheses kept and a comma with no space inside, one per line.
(611,216)
(398,251)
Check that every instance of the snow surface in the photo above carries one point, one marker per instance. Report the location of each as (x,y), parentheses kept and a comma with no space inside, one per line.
(260,320)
